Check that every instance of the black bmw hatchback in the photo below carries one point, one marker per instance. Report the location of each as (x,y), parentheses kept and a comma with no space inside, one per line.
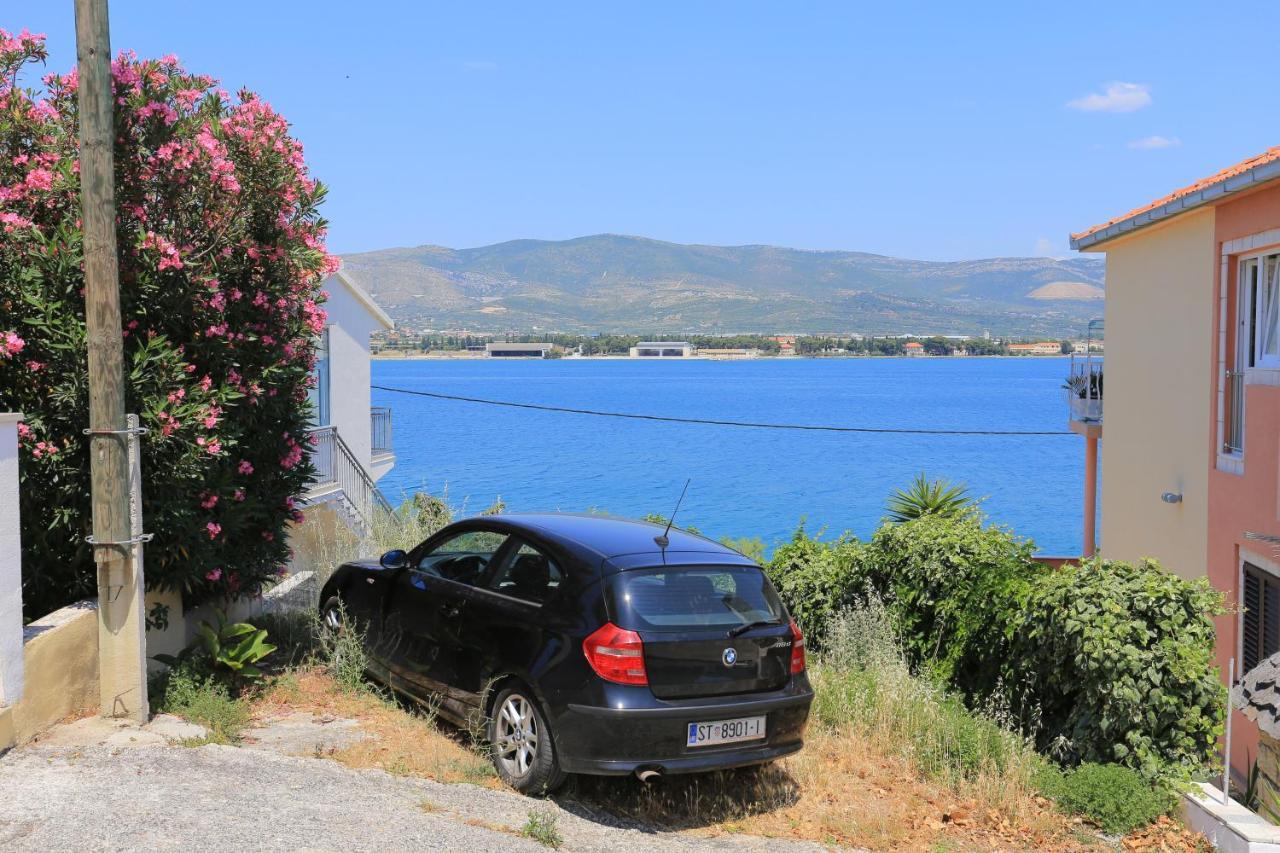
(585,644)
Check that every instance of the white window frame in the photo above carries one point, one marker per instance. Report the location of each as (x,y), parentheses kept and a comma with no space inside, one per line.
(1258,347)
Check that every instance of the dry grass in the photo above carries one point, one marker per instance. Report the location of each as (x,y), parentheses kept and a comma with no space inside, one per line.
(405,741)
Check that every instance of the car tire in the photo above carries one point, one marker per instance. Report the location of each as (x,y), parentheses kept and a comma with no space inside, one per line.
(520,743)
(333,614)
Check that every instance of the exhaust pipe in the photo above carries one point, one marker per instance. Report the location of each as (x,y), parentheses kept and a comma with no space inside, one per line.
(648,774)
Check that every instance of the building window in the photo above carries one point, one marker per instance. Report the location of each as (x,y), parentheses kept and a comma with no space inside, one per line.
(319,392)
(1258,344)
(1261,630)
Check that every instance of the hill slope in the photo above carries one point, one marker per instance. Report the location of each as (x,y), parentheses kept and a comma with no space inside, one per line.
(612,283)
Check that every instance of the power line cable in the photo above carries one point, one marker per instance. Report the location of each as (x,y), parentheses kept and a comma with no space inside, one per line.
(714,422)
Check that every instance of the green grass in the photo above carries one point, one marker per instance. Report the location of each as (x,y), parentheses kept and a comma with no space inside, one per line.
(201,699)
(541,827)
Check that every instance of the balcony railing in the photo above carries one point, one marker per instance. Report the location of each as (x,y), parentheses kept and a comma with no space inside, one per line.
(380,430)
(337,467)
(1084,389)
(1233,420)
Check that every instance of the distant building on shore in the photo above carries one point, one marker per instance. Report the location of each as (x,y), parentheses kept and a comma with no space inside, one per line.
(513,350)
(1039,348)
(662,349)
(728,353)
(913,348)
(786,344)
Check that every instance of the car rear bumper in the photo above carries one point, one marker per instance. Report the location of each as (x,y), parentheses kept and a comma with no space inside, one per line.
(617,741)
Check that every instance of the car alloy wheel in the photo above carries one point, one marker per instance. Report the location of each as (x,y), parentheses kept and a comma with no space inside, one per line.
(332,615)
(521,745)
(517,742)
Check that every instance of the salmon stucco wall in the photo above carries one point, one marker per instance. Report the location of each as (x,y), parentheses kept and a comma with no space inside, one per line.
(1156,422)
(1247,500)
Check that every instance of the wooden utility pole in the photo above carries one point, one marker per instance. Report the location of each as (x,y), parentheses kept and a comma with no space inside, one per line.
(121,625)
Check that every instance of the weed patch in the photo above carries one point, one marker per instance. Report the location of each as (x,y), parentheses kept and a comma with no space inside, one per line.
(203,700)
(541,827)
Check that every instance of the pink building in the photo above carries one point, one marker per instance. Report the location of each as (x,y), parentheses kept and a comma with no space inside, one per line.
(1191,441)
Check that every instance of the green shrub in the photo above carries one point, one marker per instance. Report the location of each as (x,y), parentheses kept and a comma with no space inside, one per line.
(816,580)
(187,692)
(1118,661)
(1115,797)
(954,587)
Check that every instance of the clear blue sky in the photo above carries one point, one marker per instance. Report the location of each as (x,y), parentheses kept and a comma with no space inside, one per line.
(935,131)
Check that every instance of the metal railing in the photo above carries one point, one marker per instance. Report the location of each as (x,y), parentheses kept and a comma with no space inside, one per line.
(380,430)
(336,466)
(1233,412)
(1084,388)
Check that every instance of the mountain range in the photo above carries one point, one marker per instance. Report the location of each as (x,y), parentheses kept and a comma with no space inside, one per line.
(619,284)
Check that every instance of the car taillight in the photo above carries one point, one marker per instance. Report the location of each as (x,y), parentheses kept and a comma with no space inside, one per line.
(797,649)
(616,655)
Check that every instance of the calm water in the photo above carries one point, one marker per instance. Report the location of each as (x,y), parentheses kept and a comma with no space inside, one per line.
(746,482)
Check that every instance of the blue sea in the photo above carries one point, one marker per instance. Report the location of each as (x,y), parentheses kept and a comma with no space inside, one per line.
(745,482)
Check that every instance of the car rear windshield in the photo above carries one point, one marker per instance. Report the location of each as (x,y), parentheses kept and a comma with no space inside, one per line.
(689,598)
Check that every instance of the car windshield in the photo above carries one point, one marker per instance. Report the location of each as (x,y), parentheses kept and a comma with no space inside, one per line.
(720,597)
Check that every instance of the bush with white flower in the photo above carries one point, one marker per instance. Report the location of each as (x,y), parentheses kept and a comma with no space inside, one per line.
(221,254)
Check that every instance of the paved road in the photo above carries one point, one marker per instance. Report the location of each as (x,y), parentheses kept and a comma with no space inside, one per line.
(221,798)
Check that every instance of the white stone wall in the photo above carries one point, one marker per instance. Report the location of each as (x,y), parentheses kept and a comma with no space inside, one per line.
(10,564)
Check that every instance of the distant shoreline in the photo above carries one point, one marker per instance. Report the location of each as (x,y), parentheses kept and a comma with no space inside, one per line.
(451,356)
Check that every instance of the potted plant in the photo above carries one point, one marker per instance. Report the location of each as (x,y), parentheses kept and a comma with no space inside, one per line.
(1084,395)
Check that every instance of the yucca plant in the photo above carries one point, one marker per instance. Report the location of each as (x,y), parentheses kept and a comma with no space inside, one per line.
(925,497)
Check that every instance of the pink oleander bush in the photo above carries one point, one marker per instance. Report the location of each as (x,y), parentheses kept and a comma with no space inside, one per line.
(221,255)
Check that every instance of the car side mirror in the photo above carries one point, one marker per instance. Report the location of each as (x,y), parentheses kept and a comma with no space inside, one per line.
(395,559)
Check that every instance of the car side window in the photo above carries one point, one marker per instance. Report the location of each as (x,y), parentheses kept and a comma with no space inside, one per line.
(463,558)
(529,575)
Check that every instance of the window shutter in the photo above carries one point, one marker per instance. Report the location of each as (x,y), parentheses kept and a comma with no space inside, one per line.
(1252,601)
(1270,616)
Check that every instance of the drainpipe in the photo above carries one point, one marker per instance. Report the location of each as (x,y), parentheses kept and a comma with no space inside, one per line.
(1090,492)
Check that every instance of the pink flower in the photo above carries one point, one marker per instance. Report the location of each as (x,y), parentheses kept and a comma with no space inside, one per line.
(214,529)
(213,575)
(238,495)
(209,502)
(11,344)
(245,467)
(39,179)
(214,448)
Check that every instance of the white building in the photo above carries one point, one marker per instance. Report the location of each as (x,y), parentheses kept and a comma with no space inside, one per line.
(353,447)
(662,349)
(512,350)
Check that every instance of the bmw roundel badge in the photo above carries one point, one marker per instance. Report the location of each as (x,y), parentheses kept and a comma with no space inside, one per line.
(730,656)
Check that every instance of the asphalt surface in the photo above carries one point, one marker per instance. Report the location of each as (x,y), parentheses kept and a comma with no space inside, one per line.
(222,798)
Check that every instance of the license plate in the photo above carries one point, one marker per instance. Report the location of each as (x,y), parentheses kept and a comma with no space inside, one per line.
(726,731)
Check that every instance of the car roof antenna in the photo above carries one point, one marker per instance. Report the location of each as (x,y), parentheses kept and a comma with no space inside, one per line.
(662,540)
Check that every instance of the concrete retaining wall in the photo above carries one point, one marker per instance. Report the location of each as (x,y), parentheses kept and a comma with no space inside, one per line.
(60,652)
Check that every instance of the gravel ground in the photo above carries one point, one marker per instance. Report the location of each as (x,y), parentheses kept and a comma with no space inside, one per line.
(221,798)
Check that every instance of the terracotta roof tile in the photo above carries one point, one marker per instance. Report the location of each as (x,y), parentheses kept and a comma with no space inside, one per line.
(1240,168)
